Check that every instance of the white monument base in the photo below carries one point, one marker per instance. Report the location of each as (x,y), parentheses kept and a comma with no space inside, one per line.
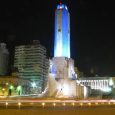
(62,83)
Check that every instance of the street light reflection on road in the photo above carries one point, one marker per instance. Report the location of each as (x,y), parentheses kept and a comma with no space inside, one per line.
(64,104)
(96,103)
(54,104)
(89,104)
(43,104)
(81,104)
(19,104)
(73,104)
(6,103)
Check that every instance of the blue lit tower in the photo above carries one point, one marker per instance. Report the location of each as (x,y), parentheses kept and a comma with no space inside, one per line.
(62,32)
(62,76)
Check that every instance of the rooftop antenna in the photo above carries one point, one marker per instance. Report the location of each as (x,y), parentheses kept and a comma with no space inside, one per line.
(60,2)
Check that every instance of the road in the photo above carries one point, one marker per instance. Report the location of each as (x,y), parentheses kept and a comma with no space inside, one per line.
(36,106)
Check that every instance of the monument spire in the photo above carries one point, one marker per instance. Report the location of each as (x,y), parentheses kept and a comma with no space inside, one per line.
(62,31)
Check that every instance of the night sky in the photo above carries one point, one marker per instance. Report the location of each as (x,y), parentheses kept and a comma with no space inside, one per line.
(92,30)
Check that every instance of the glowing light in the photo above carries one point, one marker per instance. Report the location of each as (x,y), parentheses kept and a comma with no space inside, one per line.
(54,104)
(89,104)
(6,103)
(96,103)
(7,83)
(19,90)
(43,104)
(73,104)
(85,91)
(19,103)
(66,8)
(111,83)
(81,104)
(108,89)
(66,89)
(33,84)
(63,104)
(61,6)
(3,89)
(11,87)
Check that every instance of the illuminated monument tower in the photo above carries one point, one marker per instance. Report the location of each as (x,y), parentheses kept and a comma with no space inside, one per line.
(62,77)
(62,32)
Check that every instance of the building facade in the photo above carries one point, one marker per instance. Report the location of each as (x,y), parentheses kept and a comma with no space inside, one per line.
(32,64)
(98,85)
(13,86)
(4,57)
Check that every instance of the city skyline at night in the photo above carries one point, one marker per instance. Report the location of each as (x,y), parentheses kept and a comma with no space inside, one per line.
(58,76)
(92,34)
(57,57)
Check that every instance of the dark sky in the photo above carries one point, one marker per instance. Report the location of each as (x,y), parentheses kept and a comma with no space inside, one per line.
(92,30)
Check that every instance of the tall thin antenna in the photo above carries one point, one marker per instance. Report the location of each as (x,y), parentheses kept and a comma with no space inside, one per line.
(60,2)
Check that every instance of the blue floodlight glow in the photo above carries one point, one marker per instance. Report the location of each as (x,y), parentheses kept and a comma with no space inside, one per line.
(61,6)
(62,32)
